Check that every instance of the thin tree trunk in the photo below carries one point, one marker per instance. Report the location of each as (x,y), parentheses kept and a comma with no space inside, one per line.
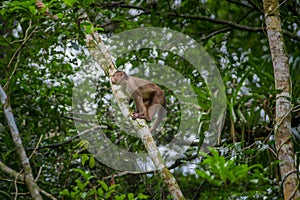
(28,176)
(283,137)
(98,50)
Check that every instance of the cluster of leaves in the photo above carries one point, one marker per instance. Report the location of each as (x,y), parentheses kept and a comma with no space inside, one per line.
(229,178)
(98,190)
(226,173)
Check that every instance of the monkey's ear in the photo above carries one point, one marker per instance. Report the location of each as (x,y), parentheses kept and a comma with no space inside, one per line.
(122,74)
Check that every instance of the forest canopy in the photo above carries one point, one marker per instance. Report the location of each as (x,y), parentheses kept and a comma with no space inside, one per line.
(230,73)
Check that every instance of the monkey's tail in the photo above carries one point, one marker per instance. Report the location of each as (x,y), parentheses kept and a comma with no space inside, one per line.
(160,115)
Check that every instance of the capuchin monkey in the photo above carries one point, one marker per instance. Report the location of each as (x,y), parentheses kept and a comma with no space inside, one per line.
(149,99)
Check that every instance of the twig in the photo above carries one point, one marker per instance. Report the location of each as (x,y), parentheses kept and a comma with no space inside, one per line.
(96,127)
(221,30)
(277,7)
(241,4)
(218,21)
(39,174)
(16,185)
(47,194)
(18,52)
(36,147)
(295,191)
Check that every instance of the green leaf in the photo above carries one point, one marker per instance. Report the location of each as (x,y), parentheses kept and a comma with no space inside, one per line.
(99,29)
(103,185)
(33,10)
(130,196)
(65,192)
(70,2)
(92,162)
(142,196)
(88,27)
(100,192)
(60,15)
(81,185)
(120,197)
(84,158)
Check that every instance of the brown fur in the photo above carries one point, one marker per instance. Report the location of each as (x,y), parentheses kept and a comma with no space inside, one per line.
(148,97)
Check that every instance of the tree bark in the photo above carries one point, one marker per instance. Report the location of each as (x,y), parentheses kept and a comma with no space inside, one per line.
(284,145)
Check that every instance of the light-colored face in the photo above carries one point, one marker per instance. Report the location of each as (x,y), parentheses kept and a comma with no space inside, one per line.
(117,77)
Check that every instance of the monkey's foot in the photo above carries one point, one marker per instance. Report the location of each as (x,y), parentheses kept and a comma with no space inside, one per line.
(136,115)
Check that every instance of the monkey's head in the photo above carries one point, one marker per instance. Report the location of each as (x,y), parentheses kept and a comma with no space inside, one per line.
(118,77)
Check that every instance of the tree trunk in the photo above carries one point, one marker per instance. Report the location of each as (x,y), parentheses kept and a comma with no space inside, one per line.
(101,55)
(284,145)
(28,176)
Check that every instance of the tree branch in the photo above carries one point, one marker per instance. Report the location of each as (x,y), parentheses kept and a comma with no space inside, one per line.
(10,171)
(232,24)
(57,145)
(28,176)
(240,4)
(20,176)
(218,21)
(215,32)
(18,52)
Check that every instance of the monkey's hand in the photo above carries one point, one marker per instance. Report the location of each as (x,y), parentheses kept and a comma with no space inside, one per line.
(136,115)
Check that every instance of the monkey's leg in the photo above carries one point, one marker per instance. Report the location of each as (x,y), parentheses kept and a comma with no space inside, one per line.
(160,113)
(141,109)
(142,115)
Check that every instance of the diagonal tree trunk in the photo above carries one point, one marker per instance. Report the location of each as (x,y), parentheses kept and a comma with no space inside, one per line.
(283,137)
(100,54)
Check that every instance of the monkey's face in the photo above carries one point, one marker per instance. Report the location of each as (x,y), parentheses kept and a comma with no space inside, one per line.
(117,78)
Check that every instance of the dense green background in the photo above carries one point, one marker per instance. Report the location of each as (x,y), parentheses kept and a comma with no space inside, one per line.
(38,55)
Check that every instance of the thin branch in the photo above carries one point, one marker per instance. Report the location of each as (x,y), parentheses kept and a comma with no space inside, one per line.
(16,187)
(18,52)
(47,194)
(36,147)
(291,35)
(56,145)
(39,174)
(121,4)
(277,7)
(255,6)
(10,171)
(240,4)
(233,24)
(215,32)
(20,177)
(218,21)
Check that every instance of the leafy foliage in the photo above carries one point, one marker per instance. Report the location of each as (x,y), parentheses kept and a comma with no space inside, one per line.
(83,190)
(222,172)
(39,56)
(231,178)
